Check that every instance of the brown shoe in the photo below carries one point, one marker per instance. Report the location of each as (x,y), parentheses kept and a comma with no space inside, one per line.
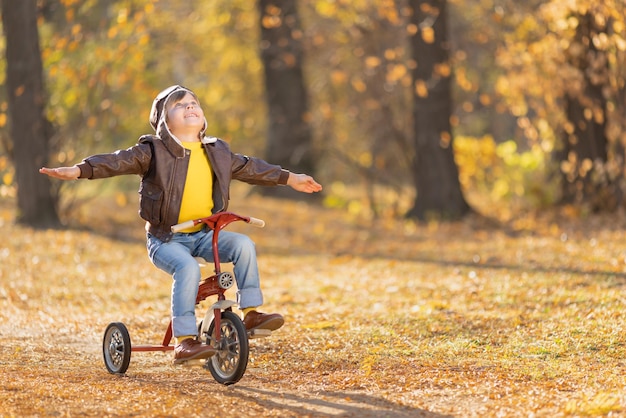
(258,320)
(191,349)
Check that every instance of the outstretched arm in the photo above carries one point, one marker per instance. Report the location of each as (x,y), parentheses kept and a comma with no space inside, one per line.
(303,183)
(63,173)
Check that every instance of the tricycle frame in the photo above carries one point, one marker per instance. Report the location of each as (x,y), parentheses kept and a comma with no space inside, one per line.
(117,346)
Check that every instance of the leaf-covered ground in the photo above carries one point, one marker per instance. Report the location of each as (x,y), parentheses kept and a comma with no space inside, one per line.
(391,319)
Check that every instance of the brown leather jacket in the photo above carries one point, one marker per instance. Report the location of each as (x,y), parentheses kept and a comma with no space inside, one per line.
(162,163)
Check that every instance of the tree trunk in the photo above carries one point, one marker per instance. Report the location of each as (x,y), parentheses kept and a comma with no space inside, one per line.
(28,124)
(434,170)
(289,141)
(585,142)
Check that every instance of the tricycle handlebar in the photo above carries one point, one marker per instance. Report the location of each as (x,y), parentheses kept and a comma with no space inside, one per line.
(184,225)
(218,220)
(259,223)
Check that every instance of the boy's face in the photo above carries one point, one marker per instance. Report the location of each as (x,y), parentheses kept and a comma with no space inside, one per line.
(185,116)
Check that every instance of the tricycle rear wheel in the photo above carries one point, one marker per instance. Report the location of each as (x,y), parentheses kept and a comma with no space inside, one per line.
(116,348)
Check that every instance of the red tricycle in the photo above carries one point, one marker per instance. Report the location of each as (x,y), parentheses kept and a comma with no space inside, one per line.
(221,328)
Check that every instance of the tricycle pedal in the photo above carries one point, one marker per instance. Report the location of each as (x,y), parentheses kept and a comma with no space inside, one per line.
(259,333)
(190,363)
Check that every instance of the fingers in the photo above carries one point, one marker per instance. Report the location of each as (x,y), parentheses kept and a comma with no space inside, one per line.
(309,185)
(63,173)
(312,186)
(47,171)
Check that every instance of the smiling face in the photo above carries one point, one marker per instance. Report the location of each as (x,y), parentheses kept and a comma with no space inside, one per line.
(185,117)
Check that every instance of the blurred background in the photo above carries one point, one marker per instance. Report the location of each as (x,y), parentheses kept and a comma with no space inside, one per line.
(400,108)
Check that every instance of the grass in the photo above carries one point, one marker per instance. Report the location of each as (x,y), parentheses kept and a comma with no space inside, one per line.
(388,319)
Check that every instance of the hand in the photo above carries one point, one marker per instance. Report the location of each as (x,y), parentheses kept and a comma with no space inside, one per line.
(63,173)
(303,183)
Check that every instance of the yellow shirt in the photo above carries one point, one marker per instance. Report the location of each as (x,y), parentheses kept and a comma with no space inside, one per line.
(197,200)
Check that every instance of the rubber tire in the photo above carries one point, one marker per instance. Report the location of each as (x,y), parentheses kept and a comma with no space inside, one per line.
(116,348)
(228,366)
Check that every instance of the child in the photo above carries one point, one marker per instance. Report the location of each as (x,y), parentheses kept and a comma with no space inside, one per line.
(186,175)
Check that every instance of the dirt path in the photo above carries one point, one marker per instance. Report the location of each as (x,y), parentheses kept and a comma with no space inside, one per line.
(408,321)
(52,378)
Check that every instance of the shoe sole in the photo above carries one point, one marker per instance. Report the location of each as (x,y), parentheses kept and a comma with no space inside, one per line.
(198,356)
(270,324)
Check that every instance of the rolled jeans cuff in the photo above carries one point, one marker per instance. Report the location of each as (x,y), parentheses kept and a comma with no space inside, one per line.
(249,298)
(184,325)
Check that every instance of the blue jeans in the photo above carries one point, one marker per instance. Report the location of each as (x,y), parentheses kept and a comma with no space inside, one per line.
(176,257)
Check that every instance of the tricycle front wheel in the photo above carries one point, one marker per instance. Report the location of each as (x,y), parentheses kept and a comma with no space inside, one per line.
(229,364)
(116,348)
